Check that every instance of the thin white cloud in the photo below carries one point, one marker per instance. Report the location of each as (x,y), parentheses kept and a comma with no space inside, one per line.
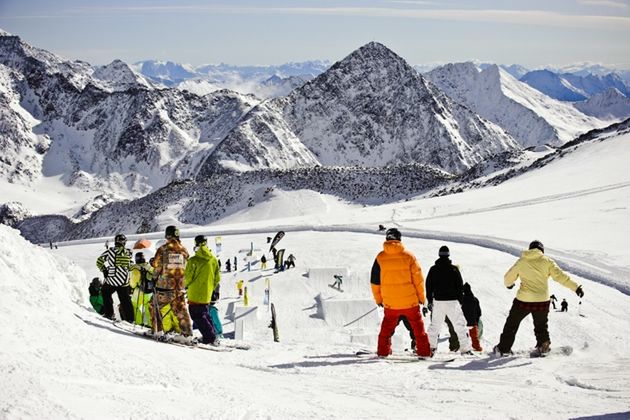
(605,3)
(517,17)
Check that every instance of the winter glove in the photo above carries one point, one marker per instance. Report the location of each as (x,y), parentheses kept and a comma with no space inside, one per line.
(511,287)
(579,292)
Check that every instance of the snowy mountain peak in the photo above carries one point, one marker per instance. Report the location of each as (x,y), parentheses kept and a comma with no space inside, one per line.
(609,105)
(118,76)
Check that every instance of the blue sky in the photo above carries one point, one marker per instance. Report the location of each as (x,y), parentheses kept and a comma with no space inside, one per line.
(533,33)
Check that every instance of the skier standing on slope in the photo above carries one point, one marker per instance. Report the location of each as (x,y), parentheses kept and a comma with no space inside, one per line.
(534,269)
(445,291)
(201,278)
(169,265)
(141,274)
(114,263)
(397,284)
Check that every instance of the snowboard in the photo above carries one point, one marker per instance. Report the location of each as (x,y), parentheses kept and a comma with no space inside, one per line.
(404,357)
(335,287)
(274,324)
(555,351)
(534,354)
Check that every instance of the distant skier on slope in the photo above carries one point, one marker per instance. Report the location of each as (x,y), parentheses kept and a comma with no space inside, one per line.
(534,269)
(263,263)
(445,289)
(397,284)
(564,306)
(201,278)
(290,262)
(169,264)
(114,263)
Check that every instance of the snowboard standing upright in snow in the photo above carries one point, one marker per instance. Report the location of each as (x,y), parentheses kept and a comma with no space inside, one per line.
(274,324)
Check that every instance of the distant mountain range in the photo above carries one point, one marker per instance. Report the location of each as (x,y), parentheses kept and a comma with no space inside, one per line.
(532,118)
(369,127)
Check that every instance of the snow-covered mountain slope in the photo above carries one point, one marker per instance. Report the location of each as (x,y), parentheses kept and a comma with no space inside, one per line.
(104,131)
(574,204)
(117,75)
(371,109)
(164,72)
(271,87)
(263,81)
(608,105)
(573,87)
(22,150)
(553,85)
(532,118)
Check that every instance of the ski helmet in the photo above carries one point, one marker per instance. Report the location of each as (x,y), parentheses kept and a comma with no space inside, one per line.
(171,232)
(538,245)
(120,239)
(140,258)
(393,234)
(200,240)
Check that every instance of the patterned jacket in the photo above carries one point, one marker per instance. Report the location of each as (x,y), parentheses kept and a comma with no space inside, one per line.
(169,265)
(114,264)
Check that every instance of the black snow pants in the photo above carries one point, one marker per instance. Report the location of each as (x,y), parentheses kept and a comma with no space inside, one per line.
(124,296)
(518,312)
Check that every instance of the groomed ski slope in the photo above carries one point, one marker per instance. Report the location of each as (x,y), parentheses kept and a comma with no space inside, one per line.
(57,366)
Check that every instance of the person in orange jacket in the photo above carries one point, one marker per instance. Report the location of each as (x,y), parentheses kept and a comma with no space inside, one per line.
(398,286)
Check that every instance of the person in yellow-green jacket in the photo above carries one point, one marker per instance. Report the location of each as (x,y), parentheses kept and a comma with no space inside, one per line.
(201,277)
(534,269)
(141,282)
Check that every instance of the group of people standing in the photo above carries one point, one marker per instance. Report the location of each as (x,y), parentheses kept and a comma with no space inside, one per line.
(398,285)
(162,285)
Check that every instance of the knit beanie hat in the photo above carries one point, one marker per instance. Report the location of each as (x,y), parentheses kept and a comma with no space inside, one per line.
(444,251)
(538,245)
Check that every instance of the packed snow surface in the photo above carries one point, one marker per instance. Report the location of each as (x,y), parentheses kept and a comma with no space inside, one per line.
(61,360)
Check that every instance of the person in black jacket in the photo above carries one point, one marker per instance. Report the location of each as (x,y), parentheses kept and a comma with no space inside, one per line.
(445,289)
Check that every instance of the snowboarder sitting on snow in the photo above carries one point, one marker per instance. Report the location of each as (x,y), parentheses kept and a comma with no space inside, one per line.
(290,262)
(169,265)
(534,269)
(445,290)
(141,282)
(201,278)
(96,298)
(114,263)
(397,284)
(564,306)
